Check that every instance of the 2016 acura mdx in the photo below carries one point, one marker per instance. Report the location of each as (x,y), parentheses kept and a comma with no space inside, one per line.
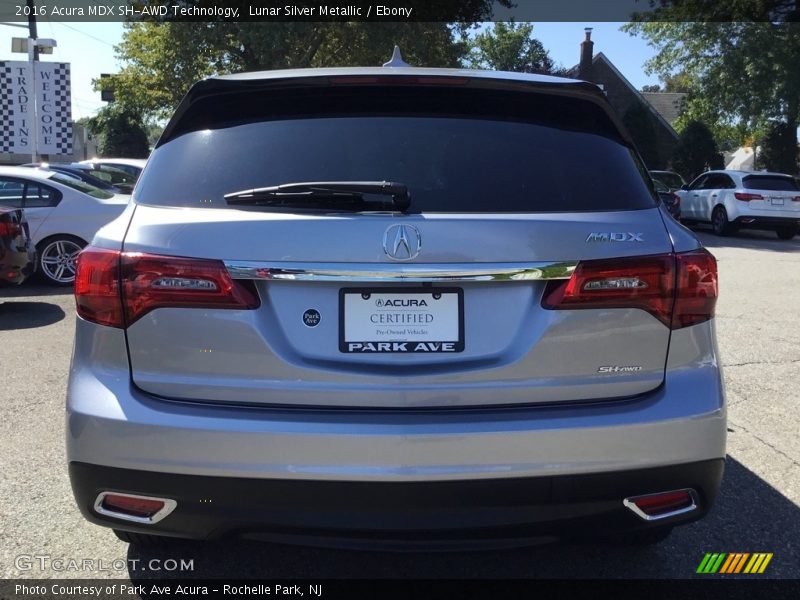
(395,305)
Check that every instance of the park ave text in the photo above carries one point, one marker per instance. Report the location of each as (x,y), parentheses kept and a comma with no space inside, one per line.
(227,12)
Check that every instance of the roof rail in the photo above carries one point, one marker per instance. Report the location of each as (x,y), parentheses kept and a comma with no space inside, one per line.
(397,59)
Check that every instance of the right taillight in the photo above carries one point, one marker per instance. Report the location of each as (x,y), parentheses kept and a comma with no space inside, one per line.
(117,288)
(695,288)
(677,289)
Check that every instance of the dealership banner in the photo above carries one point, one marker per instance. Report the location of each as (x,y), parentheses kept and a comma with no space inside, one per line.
(53,115)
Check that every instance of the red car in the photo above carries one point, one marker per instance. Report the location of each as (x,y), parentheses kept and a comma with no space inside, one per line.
(17,254)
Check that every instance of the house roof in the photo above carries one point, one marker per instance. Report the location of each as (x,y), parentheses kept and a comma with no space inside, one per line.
(668,104)
(573,72)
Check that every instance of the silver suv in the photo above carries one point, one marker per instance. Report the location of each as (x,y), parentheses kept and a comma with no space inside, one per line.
(395,305)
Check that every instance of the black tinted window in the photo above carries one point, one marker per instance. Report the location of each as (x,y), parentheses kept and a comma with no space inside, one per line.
(37,196)
(11,192)
(492,161)
(770,182)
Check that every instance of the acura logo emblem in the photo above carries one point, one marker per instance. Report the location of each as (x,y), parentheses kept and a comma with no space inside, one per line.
(402,242)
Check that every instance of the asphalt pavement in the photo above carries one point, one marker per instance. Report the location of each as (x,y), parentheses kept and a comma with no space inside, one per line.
(758,325)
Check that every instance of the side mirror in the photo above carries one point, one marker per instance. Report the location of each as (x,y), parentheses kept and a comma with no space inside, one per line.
(685,186)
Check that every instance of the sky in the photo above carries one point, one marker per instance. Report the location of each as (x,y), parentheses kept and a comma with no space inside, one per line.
(89,48)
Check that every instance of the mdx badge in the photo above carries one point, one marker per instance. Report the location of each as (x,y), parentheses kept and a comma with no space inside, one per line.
(615,236)
(402,242)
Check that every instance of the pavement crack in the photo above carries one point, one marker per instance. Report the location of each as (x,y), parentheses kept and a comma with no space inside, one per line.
(761,362)
(765,442)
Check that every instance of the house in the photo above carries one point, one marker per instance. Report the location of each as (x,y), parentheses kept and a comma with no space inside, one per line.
(648,116)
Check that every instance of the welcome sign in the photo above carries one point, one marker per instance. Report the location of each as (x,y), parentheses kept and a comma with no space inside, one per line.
(53,115)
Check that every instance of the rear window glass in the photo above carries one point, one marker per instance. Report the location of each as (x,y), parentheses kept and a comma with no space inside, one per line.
(508,153)
(770,182)
(77,184)
(672,180)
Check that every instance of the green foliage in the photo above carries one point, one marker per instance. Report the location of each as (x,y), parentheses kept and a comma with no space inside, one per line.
(163,60)
(510,47)
(696,151)
(120,133)
(778,149)
(741,75)
(639,122)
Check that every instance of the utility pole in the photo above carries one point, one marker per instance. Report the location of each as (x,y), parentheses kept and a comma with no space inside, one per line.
(33,57)
(32,26)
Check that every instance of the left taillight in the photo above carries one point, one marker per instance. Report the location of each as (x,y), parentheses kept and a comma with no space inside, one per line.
(117,288)
(97,296)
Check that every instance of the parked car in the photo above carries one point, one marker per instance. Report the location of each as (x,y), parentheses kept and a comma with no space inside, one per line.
(63,214)
(81,172)
(132,166)
(394,305)
(669,198)
(122,180)
(733,200)
(17,255)
(669,178)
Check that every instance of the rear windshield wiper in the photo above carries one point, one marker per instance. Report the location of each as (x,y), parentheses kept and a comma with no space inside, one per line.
(344,194)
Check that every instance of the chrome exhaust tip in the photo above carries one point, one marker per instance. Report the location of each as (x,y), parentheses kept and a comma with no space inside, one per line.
(132,507)
(663,505)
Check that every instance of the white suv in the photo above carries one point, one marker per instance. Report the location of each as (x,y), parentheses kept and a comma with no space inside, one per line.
(733,200)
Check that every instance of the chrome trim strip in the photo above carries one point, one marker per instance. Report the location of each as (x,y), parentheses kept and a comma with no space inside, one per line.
(629,502)
(370,272)
(169,506)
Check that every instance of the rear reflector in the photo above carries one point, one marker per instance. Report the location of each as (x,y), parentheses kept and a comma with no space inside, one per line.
(662,505)
(137,507)
(132,507)
(117,288)
(747,197)
(677,289)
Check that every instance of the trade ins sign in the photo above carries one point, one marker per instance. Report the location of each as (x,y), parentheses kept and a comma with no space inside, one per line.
(53,122)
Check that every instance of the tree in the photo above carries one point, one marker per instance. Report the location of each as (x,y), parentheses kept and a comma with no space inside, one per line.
(510,47)
(651,89)
(741,74)
(639,122)
(778,149)
(120,132)
(696,151)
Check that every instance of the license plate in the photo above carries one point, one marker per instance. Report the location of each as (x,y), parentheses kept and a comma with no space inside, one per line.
(776,201)
(407,320)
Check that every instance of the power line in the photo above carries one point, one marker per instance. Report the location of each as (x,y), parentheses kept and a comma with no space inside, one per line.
(84,33)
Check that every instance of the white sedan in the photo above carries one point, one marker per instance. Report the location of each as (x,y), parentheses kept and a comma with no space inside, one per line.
(733,200)
(63,215)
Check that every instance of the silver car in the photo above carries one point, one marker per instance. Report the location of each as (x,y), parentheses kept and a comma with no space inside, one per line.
(395,306)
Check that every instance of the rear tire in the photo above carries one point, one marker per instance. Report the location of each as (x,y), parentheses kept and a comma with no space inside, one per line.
(786,233)
(720,222)
(56,257)
(145,540)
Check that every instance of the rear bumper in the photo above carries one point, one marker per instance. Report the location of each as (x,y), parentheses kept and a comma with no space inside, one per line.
(16,266)
(770,223)
(397,513)
(272,469)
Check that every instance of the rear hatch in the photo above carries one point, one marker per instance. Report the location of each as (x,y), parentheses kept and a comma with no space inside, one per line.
(772,192)
(457,301)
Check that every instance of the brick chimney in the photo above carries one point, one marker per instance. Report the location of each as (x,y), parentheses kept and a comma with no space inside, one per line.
(587,52)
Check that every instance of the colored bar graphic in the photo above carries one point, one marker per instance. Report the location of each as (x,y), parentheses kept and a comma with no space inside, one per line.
(723,563)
